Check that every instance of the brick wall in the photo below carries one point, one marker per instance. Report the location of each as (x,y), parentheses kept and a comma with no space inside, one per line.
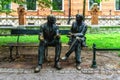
(76,6)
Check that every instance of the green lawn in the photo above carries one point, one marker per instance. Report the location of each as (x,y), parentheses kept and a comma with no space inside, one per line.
(111,40)
(104,40)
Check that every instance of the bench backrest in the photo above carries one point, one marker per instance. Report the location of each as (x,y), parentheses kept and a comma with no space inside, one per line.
(32,32)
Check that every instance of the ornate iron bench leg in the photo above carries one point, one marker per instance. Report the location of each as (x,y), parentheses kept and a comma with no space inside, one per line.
(46,54)
(11,57)
(17,53)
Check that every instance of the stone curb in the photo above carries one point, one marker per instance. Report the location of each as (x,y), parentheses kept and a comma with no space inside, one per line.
(63,71)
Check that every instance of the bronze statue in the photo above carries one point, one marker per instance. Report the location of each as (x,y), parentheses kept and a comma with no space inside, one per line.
(77,39)
(49,36)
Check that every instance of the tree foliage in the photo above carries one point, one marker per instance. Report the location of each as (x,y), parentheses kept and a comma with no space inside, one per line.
(98,1)
(18,1)
(3,3)
(44,3)
(3,6)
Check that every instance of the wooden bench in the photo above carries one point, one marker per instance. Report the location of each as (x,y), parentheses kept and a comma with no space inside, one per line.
(16,45)
(20,32)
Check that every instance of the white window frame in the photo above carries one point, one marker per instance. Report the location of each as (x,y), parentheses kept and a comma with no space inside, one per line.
(115,6)
(62,6)
(100,7)
(10,5)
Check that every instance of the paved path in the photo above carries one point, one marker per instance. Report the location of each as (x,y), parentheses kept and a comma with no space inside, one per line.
(16,70)
(64,74)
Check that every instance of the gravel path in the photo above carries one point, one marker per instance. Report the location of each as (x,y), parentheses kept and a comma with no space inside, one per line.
(52,74)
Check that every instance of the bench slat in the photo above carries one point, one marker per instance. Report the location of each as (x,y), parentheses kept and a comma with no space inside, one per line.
(24,31)
(22,44)
(26,45)
(32,32)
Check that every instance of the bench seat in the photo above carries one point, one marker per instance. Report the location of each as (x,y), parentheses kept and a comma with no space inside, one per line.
(16,45)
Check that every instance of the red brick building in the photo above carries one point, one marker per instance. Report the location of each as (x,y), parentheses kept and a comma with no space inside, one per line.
(106,8)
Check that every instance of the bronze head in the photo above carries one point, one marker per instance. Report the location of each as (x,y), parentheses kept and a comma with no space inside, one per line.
(51,19)
(79,17)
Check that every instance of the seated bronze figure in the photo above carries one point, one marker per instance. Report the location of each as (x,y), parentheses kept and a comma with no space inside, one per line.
(49,36)
(77,39)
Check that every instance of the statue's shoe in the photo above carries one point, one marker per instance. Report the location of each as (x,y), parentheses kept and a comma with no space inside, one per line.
(78,67)
(37,69)
(58,66)
(64,58)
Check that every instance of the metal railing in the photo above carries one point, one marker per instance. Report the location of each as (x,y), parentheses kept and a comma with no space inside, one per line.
(94,63)
(61,20)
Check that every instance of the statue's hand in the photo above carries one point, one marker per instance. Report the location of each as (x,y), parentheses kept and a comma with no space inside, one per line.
(69,33)
(79,34)
(41,38)
(78,38)
(57,36)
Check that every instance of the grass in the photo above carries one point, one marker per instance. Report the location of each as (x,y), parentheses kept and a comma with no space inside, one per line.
(111,40)
(25,38)
(104,40)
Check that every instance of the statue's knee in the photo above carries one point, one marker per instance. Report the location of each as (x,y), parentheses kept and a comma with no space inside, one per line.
(58,44)
(42,43)
(57,41)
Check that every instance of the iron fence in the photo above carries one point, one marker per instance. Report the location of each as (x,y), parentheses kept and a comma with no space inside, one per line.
(61,20)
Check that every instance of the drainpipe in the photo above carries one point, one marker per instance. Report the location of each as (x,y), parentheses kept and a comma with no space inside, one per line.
(84,4)
(69,15)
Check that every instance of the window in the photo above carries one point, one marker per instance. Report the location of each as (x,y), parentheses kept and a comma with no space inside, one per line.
(57,5)
(31,4)
(7,6)
(91,3)
(117,4)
